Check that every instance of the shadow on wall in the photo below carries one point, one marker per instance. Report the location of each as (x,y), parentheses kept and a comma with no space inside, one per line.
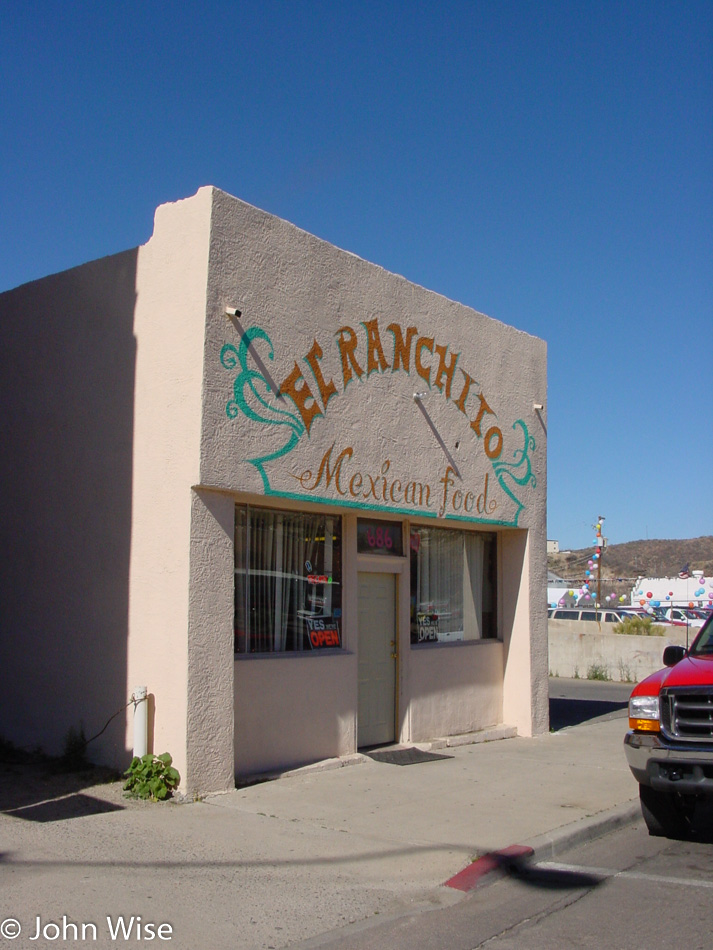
(67,385)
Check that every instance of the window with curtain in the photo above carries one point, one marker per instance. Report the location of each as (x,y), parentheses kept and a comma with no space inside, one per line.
(288,592)
(453,585)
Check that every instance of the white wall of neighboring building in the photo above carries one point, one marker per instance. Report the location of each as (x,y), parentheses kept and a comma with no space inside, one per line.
(696,589)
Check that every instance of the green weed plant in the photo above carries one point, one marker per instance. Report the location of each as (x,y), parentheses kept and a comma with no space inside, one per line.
(639,627)
(151,777)
(597,672)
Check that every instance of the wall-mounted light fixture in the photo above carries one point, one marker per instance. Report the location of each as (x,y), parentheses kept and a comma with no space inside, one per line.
(537,406)
(419,396)
(233,312)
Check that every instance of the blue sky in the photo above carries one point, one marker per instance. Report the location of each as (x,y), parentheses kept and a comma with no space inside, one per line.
(547,163)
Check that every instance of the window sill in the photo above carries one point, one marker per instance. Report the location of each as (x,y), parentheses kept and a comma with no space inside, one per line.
(291,654)
(457,644)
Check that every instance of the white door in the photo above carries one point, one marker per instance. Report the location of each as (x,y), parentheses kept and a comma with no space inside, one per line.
(377,663)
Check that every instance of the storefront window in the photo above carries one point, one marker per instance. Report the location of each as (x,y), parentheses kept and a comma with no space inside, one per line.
(453,585)
(288,572)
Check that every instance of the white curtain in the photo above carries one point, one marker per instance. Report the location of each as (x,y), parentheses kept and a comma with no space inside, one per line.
(449,581)
(275,551)
(474,548)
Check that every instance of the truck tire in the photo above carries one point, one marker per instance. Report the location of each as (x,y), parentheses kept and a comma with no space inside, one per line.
(664,813)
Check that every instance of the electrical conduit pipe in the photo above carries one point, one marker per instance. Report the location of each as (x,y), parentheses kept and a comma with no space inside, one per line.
(141,721)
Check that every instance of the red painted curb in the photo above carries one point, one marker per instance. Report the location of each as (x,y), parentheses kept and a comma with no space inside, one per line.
(469,877)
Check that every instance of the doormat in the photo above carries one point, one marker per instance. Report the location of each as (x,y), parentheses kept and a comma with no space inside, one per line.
(405,756)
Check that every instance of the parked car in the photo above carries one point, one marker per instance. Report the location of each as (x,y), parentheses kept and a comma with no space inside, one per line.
(679,616)
(669,745)
(587,613)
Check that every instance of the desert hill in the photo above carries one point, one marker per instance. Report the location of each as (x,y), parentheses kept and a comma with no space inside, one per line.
(625,562)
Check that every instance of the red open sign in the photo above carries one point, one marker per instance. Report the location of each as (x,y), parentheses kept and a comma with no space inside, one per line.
(323,632)
(324,638)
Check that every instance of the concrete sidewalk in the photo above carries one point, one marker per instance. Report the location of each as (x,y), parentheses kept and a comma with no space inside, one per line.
(281,862)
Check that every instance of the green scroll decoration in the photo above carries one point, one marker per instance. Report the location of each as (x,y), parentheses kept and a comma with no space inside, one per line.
(520,470)
(250,383)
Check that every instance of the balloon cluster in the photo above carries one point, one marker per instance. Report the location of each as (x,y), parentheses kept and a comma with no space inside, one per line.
(591,574)
(648,603)
(702,591)
(593,566)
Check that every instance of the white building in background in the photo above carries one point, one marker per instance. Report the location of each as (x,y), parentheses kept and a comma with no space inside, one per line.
(561,592)
(692,590)
(299,498)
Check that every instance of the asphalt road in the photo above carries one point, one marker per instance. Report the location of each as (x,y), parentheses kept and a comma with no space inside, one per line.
(575,701)
(622,892)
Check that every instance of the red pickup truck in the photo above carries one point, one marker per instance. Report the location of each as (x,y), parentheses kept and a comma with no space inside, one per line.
(669,745)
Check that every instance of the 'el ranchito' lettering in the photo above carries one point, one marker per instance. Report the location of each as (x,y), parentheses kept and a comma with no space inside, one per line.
(359,358)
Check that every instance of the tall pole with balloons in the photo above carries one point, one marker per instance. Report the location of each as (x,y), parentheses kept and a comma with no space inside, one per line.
(599,547)
(594,571)
(594,565)
(584,595)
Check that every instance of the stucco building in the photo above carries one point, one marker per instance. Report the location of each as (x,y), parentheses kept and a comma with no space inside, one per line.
(299,498)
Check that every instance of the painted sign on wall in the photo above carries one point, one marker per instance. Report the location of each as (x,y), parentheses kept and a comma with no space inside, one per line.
(295,466)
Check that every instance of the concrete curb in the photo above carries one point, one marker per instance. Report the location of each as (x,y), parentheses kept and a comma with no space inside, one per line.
(554,843)
(539,848)
(543,847)
(492,734)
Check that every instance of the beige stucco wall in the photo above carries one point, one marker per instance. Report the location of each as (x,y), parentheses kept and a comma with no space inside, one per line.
(523,572)
(102,376)
(292,710)
(481,379)
(137,432)
(455,689)
(209,694)
(67,347)
(171,281)
(300,290)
